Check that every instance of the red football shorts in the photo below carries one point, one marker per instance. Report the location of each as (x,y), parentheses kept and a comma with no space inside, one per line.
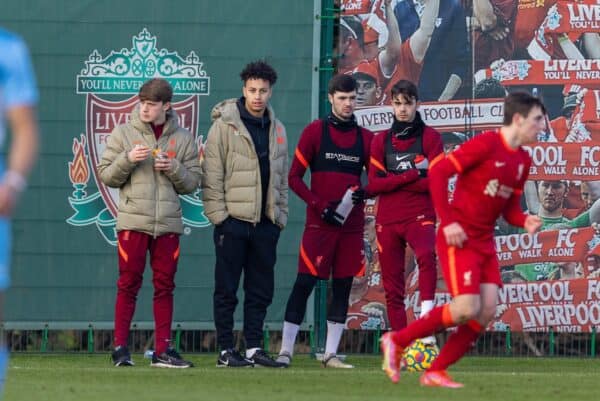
(466,268)
(325,253)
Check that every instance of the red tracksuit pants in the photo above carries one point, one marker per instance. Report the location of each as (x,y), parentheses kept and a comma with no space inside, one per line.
(392,240)
(164,254)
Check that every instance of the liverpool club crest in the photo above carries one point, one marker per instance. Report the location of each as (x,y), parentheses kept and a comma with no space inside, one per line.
(123,73)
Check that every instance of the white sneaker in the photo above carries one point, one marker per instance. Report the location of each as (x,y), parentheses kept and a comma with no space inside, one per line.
(429,340)
(284,358)
(332,361)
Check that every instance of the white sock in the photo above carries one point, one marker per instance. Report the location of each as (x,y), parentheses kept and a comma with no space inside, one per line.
(426,306)
(288,337)
(334,335)
(250,352)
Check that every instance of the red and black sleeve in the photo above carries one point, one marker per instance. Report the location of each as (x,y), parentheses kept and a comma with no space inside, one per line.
(307,149)
(380,181)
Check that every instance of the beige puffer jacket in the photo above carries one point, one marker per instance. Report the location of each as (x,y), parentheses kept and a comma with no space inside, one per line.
(148,199)
(230,171)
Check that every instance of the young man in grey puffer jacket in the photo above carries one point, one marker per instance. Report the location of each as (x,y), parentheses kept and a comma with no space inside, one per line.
(152,160)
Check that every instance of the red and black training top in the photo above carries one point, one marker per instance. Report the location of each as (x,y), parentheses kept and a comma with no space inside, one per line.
(403,195)
(336,159)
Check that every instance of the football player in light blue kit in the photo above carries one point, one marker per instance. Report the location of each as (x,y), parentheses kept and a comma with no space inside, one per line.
(18,97)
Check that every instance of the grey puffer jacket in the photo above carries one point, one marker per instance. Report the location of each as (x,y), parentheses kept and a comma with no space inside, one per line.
(230,170)
(149,199)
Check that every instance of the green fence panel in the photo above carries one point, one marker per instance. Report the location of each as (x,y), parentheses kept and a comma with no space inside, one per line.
(65,274)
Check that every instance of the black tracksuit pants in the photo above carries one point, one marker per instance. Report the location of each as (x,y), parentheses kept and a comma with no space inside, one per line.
(242,246)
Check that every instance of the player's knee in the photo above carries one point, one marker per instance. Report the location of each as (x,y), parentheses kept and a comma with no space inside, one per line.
(426,260)
(465,311)
(305,283)
(487,314)
(296,306)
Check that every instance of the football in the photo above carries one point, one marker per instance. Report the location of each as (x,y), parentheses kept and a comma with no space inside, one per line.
(418,356)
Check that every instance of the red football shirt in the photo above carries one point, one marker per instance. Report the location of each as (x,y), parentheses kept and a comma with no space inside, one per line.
(560,128)
(407,68)
(485,48)
(491,176)
(530,15)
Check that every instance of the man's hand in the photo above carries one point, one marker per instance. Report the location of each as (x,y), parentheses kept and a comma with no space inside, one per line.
(422,164)
(329,216)
(162,162)
(532,224)
(138,153)
(499,33)
(454,234)
(358,196)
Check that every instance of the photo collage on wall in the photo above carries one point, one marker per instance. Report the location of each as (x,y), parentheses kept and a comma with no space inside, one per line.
(465,56)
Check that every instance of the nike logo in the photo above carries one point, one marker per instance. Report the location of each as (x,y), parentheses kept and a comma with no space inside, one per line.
(402,157)
(500,164)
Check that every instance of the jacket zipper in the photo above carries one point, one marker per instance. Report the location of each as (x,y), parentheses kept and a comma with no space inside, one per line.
(156,195)
(251,145)
(273,141)
(157,183)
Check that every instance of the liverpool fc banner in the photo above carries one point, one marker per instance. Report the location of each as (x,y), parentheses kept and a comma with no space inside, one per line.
(110,85)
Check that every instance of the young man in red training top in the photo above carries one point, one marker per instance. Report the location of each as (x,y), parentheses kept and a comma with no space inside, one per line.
(335,150)
(492,169)
(405,215)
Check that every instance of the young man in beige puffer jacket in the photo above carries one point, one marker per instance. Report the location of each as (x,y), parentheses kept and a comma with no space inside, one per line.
(245,193)
(152,161)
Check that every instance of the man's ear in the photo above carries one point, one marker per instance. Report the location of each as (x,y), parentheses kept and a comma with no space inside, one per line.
(517,119)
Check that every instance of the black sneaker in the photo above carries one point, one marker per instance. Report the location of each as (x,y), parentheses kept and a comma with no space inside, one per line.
(122,357)
(232,359)
(170,359)
(261,358)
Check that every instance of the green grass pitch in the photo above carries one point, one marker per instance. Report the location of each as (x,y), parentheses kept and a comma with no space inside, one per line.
(81,377)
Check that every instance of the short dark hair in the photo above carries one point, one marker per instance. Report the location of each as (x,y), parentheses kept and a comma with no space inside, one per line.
(156,90)
(489,88)
(407,89)
(341,83)
(520,103)
(259,69)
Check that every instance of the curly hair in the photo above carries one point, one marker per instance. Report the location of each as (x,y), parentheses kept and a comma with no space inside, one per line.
(259,69)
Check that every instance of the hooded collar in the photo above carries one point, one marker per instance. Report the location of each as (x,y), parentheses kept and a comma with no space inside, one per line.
(342,125)
(405,130)
(248,118)
(171,122)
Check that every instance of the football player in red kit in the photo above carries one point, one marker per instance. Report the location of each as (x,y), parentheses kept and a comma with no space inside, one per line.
(336,150)
(405,215)
(492,169)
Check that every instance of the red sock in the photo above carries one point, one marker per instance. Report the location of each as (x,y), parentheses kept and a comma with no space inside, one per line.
(437,319)
(457,345)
